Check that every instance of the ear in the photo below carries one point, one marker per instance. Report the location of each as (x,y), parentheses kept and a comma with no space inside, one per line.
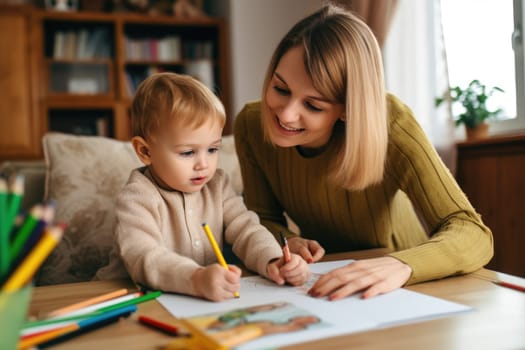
(141,148)
(342,118)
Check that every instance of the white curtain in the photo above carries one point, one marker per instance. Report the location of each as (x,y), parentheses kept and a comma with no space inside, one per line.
(416,70)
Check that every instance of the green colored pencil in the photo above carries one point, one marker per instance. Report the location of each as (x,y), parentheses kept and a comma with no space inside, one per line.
(4,236)
(25,231)
(137,300)
(14,199)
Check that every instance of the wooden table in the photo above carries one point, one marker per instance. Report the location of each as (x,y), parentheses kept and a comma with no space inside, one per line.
(497,322)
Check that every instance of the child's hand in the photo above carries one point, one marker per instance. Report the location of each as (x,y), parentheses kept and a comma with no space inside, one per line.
(295,272)
(215,283)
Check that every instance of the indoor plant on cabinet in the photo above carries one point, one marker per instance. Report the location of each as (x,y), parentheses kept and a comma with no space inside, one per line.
(475,112)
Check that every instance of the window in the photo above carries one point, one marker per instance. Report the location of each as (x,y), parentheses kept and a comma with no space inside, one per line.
(483,40)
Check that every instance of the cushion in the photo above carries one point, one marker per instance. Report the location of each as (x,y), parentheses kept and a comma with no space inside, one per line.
(229,162)
(84,175)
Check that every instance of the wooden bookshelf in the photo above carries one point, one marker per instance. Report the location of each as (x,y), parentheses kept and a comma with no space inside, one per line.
(80,69)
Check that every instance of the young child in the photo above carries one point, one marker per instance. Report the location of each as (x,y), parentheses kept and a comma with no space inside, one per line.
(177,125)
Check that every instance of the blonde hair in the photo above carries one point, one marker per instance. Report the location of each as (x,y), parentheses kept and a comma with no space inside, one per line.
(165,97)
(343,59)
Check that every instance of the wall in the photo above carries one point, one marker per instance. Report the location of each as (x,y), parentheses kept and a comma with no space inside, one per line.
(256,26)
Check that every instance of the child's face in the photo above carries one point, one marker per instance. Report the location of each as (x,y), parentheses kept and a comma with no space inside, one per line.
(185,158)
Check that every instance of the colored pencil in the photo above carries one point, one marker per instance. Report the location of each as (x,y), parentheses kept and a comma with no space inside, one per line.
(32,219)
(134,301)
(14,199)
(50,338)
(510,285)
(88,311)
(4,232)
(286,248)
(216,249)
(25,271)
(88,302)
(158,325)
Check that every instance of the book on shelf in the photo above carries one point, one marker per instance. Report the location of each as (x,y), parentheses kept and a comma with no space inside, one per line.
(82,39)
(153,49)
(59,40)
(201,69)
(81,44)
(97,44)
(134,78)
(102,127)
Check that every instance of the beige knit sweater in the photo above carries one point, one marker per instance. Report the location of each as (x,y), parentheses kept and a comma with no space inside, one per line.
(278,180)
(160,237)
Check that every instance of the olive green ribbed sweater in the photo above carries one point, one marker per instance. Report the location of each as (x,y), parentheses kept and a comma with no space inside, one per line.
(278,180)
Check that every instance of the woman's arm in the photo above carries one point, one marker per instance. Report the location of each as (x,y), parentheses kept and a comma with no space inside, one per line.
(459,241)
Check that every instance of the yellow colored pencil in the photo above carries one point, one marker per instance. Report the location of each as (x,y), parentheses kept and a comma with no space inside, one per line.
(35,258)
(216,249)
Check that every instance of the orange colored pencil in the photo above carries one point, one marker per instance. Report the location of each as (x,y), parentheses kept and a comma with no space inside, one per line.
(46,336)
(88,302)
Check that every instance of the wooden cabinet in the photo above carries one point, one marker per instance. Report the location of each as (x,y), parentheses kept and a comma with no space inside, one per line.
(492,174)
(86,67)
(19,127)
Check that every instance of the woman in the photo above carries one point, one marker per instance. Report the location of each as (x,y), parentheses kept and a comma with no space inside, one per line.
(349,164)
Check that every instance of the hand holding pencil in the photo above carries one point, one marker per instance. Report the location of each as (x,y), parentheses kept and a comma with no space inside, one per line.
(217,281)
(290,268)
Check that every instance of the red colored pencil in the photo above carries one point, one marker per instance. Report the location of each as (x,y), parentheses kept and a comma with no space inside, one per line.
(286,249)
(161,326)
(510,285)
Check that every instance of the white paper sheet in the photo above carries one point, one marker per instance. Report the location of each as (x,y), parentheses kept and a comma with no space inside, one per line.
(349,315)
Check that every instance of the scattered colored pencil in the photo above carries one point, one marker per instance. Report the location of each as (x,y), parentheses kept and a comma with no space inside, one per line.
(83,325)
(158,325)
(88,302)
(134,301)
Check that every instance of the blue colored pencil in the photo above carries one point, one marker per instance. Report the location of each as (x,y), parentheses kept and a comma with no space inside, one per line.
(78,328)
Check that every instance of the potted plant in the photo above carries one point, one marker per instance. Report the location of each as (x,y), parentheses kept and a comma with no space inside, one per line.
(475,111)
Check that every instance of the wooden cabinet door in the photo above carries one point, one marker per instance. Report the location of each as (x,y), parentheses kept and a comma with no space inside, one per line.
(18,137)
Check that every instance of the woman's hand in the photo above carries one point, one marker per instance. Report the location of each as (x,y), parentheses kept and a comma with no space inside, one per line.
(215,283)
(296,272)
(372,276)
(310,250)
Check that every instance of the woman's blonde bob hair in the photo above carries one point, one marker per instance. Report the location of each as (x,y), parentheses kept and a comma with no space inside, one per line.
(343,59)
(166,97)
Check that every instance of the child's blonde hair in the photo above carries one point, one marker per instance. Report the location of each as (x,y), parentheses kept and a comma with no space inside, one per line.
(165,97)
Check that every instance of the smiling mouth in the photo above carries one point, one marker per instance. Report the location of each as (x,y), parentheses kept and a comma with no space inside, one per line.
(288,128)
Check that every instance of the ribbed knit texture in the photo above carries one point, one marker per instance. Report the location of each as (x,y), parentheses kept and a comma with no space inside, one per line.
(280,179)
(160,237)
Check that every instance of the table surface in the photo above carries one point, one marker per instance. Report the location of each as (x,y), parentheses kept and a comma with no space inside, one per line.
(497,321)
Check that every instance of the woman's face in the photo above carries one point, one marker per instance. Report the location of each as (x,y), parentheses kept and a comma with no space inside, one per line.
(300,115)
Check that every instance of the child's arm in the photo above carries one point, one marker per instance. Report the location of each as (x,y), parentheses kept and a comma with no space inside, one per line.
(295,272)
(215,283)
